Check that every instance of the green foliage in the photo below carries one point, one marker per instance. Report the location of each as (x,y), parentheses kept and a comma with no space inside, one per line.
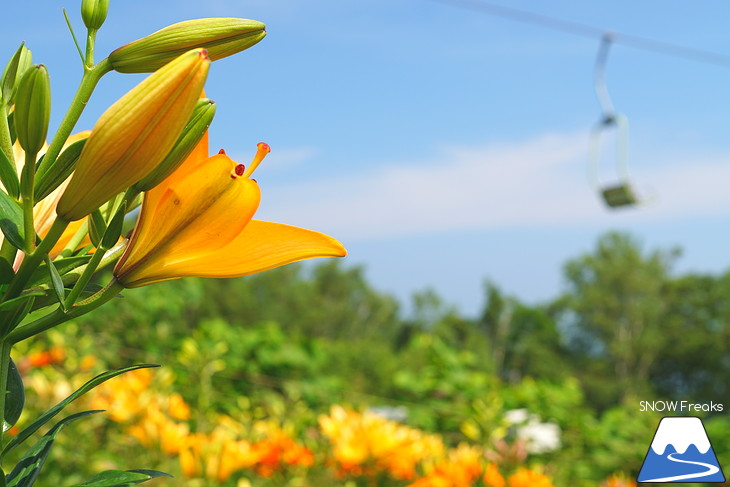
(291,342)
(118,478)
(15,399)
(326,300)
(612,316)
(11,221)
(55,410)
(26,471)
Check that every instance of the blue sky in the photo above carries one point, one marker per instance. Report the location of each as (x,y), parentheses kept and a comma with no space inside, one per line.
(443,146)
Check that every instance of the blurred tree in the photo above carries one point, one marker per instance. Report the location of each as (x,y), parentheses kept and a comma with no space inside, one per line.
(613,316)
(522,340)
(326,300)
(694,362)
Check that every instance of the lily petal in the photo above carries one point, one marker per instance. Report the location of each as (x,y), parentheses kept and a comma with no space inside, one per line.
(259,247)
(200,212)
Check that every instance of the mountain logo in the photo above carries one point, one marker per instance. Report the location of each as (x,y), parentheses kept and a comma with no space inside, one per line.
(680,452)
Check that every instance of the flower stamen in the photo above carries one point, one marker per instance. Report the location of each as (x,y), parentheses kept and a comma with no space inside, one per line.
(263,149)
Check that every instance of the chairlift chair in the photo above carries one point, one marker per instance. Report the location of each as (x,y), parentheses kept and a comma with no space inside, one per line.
(618,194)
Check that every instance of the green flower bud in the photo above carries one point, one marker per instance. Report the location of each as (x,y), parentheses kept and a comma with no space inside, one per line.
(33,109)
(193,132)
(19,64)
(93,12)
(221,37)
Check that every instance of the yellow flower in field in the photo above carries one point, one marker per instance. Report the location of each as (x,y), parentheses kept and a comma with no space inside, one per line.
(528,478)
(198,222)
(618,481)
(135,134)
(432,481)
(462,467)
(177,407)
(492,477)
(190,455)
(365,444)
(278,451)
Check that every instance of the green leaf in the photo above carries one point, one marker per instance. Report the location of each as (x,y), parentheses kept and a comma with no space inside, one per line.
(13,135)
(114,229)
(27,469)
(97,226)
(17,308)
(63,266)
(120,478)
(49,179)
(57,283)
(15,399)
(6,271)
(11,220)
(19,63)
(48,415)
(17,302)
(9,175)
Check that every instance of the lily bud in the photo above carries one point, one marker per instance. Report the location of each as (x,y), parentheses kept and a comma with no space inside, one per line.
(19,64)
(33,109)
(135,134)
(222,37)
(193,132)
(93,13)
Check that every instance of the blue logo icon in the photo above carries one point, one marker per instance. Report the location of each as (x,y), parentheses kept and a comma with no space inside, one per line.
(680,452)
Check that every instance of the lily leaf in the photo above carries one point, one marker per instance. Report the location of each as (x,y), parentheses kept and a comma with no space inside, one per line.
(97,227)
(57,283)
(17,309)
(16,302)
(48,180)
(42,274)
(120,478)
(11,220)
(9,176)
(15,399)
(48,415)
(27,469)
(6,272)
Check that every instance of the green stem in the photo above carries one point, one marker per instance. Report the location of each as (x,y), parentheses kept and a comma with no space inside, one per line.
(58,316)
(89,270)
(33,260)
(5,347)
(109,257)
(75,241)
(90,42)
(26,191)
(71,277)
(86,88)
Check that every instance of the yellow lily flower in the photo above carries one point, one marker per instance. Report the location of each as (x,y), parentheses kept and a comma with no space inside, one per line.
(198,222)
(135,134)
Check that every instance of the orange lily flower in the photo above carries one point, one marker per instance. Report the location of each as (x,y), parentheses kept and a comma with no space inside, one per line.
(198,222)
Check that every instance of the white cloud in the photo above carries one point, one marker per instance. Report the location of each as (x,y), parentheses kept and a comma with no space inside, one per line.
(542,181)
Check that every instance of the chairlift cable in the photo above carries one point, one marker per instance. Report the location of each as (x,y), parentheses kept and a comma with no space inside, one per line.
(585,30)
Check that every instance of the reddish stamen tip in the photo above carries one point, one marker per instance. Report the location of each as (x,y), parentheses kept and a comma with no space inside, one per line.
(222,151)
(240,169)
(263,146)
